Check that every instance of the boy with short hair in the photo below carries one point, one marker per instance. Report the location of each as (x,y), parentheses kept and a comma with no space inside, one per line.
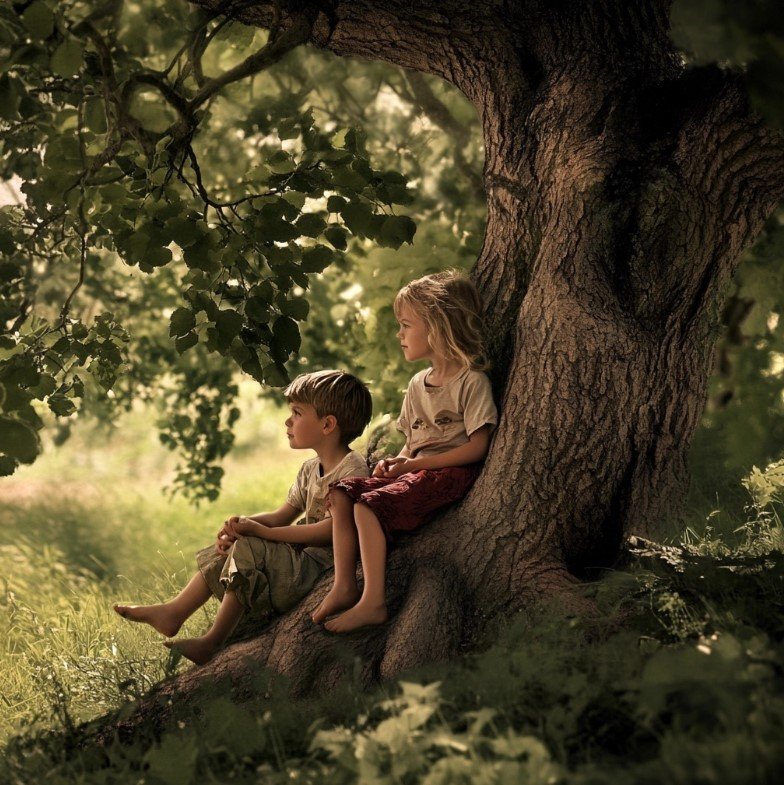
(260,563)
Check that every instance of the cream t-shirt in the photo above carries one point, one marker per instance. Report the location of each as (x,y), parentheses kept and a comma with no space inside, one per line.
(437,419)
(311,488)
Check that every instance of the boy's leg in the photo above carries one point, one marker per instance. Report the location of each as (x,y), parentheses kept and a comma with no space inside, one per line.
(201,650)
(371,608)
(168,617)
(345,546)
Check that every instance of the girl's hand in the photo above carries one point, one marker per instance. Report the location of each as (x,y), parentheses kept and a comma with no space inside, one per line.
(380,468)
(394,467)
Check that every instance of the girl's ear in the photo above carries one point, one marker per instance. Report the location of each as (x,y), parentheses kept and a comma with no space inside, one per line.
(330,423)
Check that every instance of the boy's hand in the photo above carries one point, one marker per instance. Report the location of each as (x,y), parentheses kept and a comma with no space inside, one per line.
(244,526)
(225,537)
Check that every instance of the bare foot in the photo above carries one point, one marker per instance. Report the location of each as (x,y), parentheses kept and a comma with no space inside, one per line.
(159,617)
(197,650)
(363,614)
(338,599)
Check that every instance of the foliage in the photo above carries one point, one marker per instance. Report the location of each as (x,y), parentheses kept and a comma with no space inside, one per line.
(743,423)
(174,184)
(131,131)
(748,35)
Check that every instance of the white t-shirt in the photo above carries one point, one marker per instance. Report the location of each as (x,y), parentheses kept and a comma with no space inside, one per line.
(437,419)
(311,488)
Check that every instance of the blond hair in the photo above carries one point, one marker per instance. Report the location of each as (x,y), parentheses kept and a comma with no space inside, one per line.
(338,393)
(450,306)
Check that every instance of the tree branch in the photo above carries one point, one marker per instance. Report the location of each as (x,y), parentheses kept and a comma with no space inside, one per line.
(277,46)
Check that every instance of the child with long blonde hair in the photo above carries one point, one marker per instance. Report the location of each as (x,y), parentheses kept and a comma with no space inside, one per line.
(448,416)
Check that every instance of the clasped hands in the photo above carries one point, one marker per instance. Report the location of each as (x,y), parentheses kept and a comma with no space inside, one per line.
(233,527)
(390,468)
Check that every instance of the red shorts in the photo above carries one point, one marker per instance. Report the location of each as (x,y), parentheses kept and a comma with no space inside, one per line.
(406,502)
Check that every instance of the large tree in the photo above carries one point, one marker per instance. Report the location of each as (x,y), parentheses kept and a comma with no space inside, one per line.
(621,188)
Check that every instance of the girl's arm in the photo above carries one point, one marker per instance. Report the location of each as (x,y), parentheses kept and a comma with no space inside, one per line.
(308,534)
(382,467)
(472,451)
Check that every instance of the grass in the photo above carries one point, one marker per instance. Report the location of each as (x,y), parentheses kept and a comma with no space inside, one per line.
(73,541)
(688,690)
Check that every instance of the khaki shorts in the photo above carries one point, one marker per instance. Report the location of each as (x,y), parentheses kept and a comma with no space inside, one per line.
(268,578)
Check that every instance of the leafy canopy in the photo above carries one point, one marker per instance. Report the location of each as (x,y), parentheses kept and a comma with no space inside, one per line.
(143,145)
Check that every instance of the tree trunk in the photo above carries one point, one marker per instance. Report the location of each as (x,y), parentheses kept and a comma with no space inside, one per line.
(621,189)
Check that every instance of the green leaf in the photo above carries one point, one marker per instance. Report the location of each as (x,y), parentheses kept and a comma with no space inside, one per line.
(316,259)
(39,20)
(228,323)
(257,310)
(297,309)
(61,406)
(7,465)
(9,97)
(396,230)
(358,218)
(185,342)
(337,236)
(275,375)
(311,225)
(286,333)
(67,58)
(95,115)
(18,440)
(182,321)
(184,232)
(335,204)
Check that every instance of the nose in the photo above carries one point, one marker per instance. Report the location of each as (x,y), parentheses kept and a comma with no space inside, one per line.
(288,422)
(399,333)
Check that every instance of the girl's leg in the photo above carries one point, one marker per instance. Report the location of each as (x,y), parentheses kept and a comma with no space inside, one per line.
(201,650)
(371,608)
(168,617)
(344,592)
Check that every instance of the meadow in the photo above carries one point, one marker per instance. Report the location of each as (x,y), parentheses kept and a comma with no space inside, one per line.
(679,681)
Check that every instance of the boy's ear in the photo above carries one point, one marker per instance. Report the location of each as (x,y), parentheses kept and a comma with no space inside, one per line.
(330,423)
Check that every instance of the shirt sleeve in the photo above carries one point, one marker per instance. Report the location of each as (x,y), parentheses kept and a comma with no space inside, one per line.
(478,406)
(296,496)
(403,422)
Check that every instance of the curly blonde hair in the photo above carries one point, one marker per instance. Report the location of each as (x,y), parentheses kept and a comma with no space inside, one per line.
(450,306)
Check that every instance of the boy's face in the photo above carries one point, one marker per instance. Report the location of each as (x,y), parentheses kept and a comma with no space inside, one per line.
(413,335)
(304,427)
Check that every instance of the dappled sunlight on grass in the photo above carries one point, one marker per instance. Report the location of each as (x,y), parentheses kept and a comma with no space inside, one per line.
(90,524)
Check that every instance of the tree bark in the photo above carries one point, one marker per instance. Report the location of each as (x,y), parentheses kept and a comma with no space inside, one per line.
(621,190)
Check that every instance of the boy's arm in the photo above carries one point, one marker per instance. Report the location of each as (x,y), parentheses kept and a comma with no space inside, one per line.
(283,516)
(308,534)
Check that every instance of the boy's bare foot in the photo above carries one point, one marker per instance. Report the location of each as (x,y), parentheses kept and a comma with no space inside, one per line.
(159,617)
(363,614)
(197,650)
(338,599)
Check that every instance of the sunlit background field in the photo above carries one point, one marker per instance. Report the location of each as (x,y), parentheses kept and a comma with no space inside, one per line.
(89,524)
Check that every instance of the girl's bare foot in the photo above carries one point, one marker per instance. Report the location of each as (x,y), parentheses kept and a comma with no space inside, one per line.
(338,599)
(197,650)
(363,614)
(159,617)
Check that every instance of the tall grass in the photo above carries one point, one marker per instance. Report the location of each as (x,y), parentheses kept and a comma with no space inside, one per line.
(74,539)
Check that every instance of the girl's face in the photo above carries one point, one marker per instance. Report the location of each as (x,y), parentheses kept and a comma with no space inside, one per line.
(413,335)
